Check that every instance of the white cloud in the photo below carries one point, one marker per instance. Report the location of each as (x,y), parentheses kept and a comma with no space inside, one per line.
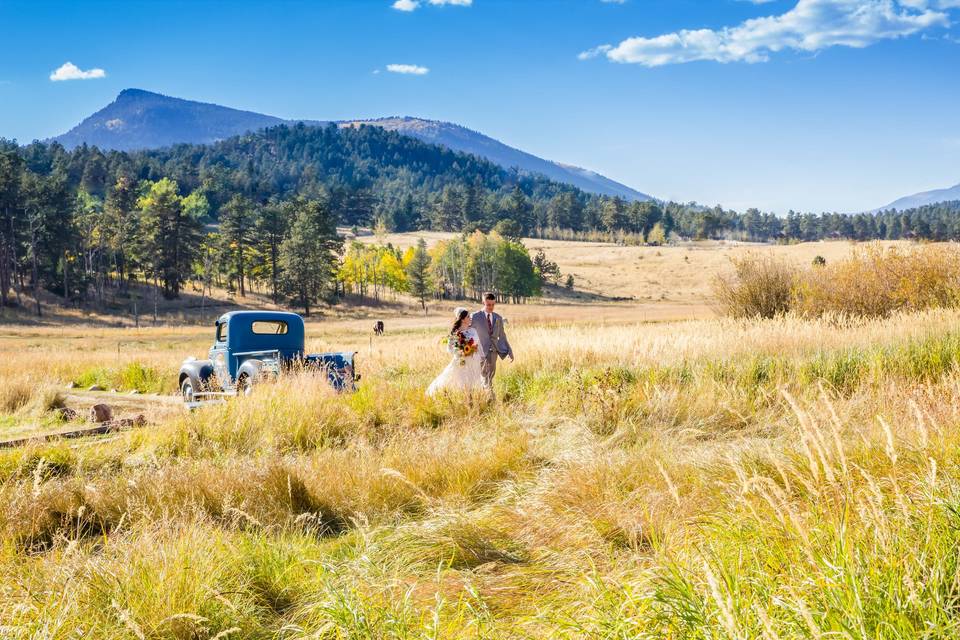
(408,69)
(70,71)
(596,51)
(810,26)
(412,5)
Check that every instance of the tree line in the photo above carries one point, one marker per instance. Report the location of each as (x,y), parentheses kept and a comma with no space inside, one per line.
(465,266)
(258,211)
(261,211)
(655,222)
(79,245)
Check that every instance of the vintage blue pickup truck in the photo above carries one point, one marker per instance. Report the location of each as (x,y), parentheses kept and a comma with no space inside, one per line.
(252,345)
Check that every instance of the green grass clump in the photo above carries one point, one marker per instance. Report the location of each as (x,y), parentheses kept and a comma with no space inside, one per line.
(133,376)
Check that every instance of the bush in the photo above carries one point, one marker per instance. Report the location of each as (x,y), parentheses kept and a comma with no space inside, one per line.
(14,394)
(873,282)
(877,281)
(760,286)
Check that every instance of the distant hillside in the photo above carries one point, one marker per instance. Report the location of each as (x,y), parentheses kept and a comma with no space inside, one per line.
(139,120)
(924,198)
(462,139)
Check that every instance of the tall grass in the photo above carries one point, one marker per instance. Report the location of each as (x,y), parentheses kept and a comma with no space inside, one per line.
(784,478)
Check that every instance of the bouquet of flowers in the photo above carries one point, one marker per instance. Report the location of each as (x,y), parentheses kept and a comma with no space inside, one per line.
(462,345)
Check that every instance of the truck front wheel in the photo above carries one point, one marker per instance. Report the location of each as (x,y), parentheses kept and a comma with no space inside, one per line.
(244,385)
(187,390)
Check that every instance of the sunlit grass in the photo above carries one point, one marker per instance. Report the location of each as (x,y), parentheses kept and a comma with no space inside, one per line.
(713,479)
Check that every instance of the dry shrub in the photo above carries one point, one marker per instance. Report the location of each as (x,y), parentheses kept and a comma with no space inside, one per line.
(877,281)
(761,286)
(15,394)
(874,282)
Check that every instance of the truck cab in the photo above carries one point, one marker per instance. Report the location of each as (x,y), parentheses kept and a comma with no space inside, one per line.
(249,346)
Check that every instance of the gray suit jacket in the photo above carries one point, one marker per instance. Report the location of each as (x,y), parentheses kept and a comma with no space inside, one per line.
(495,342)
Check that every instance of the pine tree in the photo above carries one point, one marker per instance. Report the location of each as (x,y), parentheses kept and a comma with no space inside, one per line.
(520,210)
(271,228)
(614,216)
(308,256)
(418,274)
(545,268)
(120,206)
(237,223)
(11,168)
(448,210)
(171,233)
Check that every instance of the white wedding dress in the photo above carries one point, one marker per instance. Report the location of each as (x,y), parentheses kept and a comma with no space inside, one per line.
(461,377)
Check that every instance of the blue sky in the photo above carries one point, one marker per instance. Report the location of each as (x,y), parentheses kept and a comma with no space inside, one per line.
(806,104)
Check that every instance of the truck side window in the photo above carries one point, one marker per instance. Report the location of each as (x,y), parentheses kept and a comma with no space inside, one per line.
(272,327)
(222,332)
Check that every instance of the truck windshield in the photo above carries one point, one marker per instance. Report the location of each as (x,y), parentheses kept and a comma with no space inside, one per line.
(222,332)
(271,327)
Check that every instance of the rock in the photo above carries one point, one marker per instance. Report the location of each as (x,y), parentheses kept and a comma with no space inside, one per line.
(67,414)
(134,392)
(71,385)
(137,421)
(94,387)
(101,413)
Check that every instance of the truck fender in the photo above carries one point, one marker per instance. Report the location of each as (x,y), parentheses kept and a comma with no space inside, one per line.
(199,371)
(249,370)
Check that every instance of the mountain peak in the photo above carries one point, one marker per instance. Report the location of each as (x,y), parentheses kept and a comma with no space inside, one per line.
(140,119)
(137,93)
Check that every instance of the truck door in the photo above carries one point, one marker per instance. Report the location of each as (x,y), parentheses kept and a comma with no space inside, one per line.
(219,356)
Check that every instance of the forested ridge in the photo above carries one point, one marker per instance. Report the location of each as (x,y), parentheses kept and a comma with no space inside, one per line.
(263,208)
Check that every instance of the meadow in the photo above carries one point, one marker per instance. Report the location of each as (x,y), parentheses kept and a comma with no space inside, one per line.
(688,478)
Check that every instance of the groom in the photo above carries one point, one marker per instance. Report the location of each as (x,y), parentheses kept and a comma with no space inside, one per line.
(493,339)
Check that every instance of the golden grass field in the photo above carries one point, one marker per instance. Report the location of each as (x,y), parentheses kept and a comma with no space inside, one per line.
(636,477)
(660,283)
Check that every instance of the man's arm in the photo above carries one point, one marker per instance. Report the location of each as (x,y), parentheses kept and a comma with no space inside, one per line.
(503,338)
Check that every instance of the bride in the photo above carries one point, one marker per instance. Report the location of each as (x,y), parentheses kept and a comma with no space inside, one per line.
(464,373)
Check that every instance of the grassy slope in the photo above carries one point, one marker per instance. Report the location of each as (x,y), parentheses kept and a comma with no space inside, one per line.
(703,479)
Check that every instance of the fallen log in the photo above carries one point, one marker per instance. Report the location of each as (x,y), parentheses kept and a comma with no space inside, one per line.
(99,429)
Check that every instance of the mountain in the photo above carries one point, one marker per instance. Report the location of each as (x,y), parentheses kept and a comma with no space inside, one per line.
(140,119)
(459,138)
(924,197)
